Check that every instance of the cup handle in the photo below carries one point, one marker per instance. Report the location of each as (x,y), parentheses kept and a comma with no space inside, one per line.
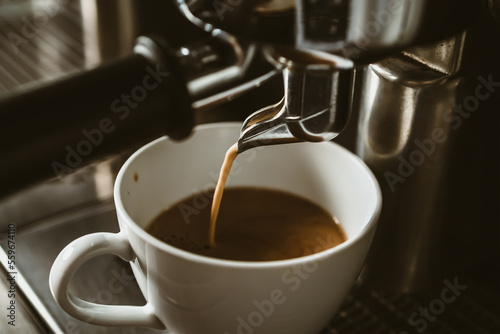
(71,258)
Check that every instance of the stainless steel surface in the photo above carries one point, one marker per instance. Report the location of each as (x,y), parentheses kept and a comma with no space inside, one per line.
(24,322)
(16,285)
(322,25)
(317,91)
(420,140)
(109,27)
(316,104)
(357,29)
(494,8)
(388,132)
(371,311)
(106,280)
(221,68)
(31,51)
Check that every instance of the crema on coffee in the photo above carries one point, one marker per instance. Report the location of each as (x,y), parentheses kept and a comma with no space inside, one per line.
(253,224)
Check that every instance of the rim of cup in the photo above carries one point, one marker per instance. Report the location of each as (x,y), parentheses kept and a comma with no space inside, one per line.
(371,224)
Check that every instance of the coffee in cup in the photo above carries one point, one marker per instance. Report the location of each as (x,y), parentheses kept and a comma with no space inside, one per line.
(253,224)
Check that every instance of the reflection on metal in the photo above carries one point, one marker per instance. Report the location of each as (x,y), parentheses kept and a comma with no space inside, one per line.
(41,317)
(357,29)
(406,138)
(315,107)
(222,68)
(378,24)
(109,29)
(494,8)
(273,6)
(388,123)
(445,57)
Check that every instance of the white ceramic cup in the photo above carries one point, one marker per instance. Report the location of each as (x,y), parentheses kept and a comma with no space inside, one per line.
(192,294)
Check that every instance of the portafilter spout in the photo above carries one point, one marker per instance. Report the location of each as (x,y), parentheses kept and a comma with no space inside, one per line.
(315,106)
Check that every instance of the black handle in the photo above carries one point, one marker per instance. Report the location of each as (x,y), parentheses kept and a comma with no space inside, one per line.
(52,130)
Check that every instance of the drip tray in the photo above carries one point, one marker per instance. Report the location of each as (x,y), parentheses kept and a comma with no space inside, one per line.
(365,310)
(37,247)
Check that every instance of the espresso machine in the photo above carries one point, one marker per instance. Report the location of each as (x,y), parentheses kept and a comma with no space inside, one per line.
(412,86)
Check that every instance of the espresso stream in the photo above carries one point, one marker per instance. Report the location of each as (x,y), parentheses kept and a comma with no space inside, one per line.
(231,155)
(253,224)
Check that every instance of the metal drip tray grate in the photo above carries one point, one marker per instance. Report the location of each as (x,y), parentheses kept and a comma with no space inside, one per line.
(39,40)
(471,310)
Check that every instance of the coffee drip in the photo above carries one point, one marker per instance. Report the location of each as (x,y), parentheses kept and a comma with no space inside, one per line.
(231,155)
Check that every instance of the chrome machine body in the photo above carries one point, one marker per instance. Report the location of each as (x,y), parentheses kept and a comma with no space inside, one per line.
(426,91)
